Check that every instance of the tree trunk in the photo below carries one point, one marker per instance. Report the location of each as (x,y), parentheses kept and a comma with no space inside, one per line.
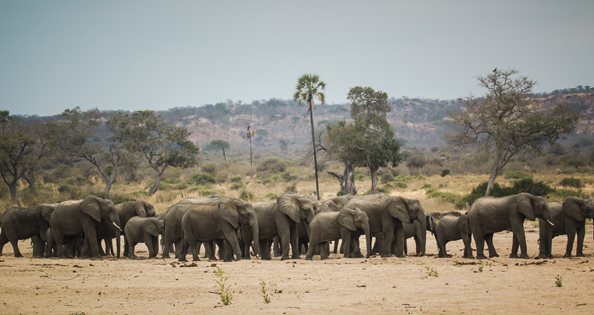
(373,173)
(224,155)
(30,179)
(155,187)
(492,178)
(251,161)
(13,190)
(346,180)
(313,143)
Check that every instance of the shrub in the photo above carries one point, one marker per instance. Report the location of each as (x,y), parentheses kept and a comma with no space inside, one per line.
(209,168)
(246,195)
(271,165)
(525,185)
(456,200)
(518,175)
(571,182)
(271,196)
(291,188)
(562,194)
(202,179)
(236,179)
(444,172)
(386,177)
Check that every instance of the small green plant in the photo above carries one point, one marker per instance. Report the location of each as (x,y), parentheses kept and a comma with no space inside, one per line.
(432,272)
(444,172)
(266,295)
(246,195)
(558,281)
(571,182)
(202,179)
(225,293)
(480,268)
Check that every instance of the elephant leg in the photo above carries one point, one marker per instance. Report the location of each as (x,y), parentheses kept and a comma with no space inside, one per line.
(196,250)
(571,231)
(178,248)
(335,250)
(400,240)
(126,247)
(131,246)
(520,237)
(515,247)
(209,251)
(489,241)
(294,237)
(231,238)
(479,241)
(148,241)
(183,249)
(310,251)
(265,249)
(388,237)
(581,233)
(91,237)
(324,250)
(167,244)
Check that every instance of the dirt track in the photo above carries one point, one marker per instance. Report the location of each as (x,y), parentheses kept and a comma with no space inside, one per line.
(375,285)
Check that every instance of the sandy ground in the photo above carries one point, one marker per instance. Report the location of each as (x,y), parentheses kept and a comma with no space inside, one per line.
(412,285)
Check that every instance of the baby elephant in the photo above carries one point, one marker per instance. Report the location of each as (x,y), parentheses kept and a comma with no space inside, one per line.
(453,228)
(143,230)
(329,226)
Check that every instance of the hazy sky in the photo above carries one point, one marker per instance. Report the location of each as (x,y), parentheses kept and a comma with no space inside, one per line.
(160,54)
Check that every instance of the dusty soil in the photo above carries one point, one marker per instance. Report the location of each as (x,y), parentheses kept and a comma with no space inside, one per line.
(412,285)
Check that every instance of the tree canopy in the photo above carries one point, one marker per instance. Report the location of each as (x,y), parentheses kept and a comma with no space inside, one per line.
(218,145)
(507,121)
(161,143)
(368,141)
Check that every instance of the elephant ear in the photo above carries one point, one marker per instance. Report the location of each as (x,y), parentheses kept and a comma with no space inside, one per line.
(229,213)
(398,208)
(152,227)
(140,209)
(90,206)
(346,219)
(573,208)
(289,205)
(431,223)
(46,211)
(150,209)
(526,206)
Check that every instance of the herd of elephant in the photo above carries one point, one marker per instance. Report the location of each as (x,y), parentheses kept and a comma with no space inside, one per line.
(292,224)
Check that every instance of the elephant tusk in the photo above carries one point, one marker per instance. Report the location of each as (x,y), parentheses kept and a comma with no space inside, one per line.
(550,223)
(116,226)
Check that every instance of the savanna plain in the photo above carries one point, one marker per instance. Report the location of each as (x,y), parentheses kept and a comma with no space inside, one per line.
(375,285)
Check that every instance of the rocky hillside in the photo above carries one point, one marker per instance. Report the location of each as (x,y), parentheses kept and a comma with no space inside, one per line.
(419,122)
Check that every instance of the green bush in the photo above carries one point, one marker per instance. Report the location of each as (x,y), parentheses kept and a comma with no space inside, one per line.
(202,179)
(444,172)
(291,188)
(518,175)
(525,185)
(246,195)
(236,179)
(386,177)
(562,194)
(571,182)
(209,168)
(452,198)
(271,165)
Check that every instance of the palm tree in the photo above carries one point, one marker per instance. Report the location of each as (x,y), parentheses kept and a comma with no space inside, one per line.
(309,87)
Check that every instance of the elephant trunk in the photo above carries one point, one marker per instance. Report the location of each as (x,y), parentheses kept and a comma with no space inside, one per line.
(253,222)
(118,244)
(422,232)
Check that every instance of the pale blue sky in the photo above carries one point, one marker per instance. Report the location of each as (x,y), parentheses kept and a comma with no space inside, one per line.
(159,54)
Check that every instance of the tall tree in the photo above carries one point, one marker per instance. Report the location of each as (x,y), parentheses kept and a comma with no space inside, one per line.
(309,88)
(17,152)
(250,134)
(507,121)
(218,145)
(162,144)
(368,141)
(91,136)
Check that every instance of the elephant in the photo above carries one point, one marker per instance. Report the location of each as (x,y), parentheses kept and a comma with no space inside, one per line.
(328,226)
(74,217)
(293,209)
(418,230)
(386,216)
(568,218)
(452,228)
(23,223)
(488,215)
(126,210)
(172,217)
(217,219)
(266,214)
(143,230)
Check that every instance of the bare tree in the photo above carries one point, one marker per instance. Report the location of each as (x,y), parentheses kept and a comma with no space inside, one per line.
(507,121)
